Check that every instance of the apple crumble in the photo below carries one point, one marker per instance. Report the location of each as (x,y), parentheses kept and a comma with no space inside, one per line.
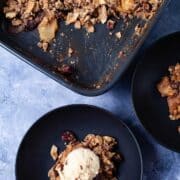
(92,158)
(170,87)
(45,14)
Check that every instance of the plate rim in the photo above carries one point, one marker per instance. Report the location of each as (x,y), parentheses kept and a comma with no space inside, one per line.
(87,106)
(132,91)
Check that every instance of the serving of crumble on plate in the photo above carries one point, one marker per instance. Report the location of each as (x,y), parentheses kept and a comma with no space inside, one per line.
(50,149)
(92,158)
(170,87)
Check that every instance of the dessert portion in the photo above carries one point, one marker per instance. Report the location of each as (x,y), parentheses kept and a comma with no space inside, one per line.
(45,14)
(92,158)
(81,163)
(169,87)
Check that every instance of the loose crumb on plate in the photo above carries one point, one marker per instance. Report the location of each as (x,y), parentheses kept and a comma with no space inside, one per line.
(70,52)
(118,35)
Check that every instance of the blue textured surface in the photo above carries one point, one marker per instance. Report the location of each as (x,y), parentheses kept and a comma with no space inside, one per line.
(26,94)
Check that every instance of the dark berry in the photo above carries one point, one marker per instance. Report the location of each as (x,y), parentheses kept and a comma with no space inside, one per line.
(65,69)
(68,137)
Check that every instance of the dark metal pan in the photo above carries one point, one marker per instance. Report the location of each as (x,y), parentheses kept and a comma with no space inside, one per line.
(97,62)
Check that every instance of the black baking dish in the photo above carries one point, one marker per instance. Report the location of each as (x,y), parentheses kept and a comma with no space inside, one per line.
(97,62)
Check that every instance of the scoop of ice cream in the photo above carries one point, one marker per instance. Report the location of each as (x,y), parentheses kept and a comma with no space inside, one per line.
(80,164)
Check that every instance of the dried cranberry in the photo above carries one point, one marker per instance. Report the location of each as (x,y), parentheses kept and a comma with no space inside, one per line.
(110,24)
(68,137)
(65,69)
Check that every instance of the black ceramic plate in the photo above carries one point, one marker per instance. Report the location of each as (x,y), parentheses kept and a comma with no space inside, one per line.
(150,107)
(98,64)
(34,161)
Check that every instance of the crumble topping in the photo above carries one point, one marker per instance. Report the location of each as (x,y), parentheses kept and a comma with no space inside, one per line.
(170,87)
(102,146)
(44,14)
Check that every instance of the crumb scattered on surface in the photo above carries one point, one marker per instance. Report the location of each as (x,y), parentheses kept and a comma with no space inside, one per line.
(54,152)
(139,29)
(70,52)
(43,45)
(118,35)
(62,34)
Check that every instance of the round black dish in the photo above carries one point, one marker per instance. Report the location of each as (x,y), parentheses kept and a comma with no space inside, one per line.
(150,107)
(33,158)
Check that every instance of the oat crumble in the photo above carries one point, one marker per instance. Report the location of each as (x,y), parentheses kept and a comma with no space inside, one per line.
(45,14)
(170,87)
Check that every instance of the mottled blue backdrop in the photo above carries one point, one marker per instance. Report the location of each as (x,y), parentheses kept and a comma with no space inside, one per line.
(26,94)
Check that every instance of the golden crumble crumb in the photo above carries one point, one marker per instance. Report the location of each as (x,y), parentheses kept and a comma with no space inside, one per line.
(118,35)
